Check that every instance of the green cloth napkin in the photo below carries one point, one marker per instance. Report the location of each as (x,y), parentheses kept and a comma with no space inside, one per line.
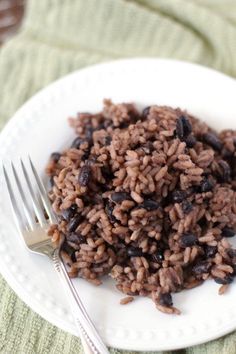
(59,36)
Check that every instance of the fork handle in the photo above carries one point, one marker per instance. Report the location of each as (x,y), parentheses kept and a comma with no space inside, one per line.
(91,340)
(86,346)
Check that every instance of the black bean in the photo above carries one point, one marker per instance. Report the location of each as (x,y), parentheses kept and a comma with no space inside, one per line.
(68,213)
(212,140)
(73,257)
(187,207)
(166,300)
(101,126)
(107,172)
(228,232)
(145,112)
(84,175)
(76,238)
(74,223)
(109,210)
(55,156)
(167,225)
(187,126)
(226,280)
(210,251)
(73,245)
(51,181)
(178,196)
(157,257)
(92,160)
(206,186)
(77,142)
(108,140)
(188,240)
(81,239)
(233,164)
(231,252)
(202,222)
(123,125)
(191,141)
(150,204)
(134,252)
(183,128)
(118,197)
(226,154)
(74,207)
(147,147)
(65,246)
(85,155)
(226,171)
(234,268)
(89,134)
(179,129)
(190,191)
(201,268)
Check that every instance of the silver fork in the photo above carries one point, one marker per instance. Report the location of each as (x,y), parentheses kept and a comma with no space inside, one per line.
(33,219)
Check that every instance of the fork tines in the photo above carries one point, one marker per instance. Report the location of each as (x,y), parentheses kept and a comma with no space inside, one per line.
(28,196)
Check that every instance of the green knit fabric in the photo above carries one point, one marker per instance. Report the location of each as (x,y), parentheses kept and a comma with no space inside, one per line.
(59,36)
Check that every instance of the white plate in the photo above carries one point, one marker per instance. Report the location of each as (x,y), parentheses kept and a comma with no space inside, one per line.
(40,127)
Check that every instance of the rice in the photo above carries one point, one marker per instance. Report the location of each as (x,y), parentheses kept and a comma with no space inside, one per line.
(126,300)
(148,198)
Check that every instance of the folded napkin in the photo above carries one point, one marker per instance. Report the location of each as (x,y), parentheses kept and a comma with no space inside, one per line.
(59,36)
